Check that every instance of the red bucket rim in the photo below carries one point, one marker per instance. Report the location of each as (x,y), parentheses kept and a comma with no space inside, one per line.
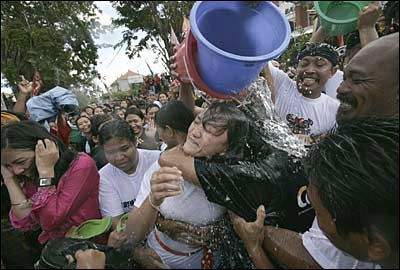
(191,50)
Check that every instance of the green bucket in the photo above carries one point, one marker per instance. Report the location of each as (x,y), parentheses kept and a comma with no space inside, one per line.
(339,17)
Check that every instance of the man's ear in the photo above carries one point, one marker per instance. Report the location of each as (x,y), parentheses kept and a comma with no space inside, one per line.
(170,131)
(379,247)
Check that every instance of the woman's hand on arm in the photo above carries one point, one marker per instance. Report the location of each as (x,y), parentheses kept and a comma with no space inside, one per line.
(175,157)
(141,220)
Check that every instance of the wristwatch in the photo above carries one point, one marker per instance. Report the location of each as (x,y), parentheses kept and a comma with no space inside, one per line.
(45,181)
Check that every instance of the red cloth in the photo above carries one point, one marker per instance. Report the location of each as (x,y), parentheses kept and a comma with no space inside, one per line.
(73,201)
(63,129)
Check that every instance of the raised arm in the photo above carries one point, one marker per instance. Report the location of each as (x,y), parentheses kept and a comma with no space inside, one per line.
(25,89)
(366,22)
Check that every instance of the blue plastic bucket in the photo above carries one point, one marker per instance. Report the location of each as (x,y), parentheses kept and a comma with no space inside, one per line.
(235,40)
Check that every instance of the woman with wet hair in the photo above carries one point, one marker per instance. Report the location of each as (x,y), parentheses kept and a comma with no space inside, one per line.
(50,186)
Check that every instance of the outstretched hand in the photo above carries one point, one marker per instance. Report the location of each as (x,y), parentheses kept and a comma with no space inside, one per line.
(25,87)
(252,233)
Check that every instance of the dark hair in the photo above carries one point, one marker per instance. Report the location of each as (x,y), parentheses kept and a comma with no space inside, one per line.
(79,117)
(226,116)
(176,115)
(134,110)
(88,107)
(354,170)
(98,107)
(319,49)
(152,105)
(96,121)
(116,129)
(162,93)
(25,135)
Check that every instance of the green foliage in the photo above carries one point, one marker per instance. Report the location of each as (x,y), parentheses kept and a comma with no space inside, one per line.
(288,58)
(155,19)
(119,95)
(52,36)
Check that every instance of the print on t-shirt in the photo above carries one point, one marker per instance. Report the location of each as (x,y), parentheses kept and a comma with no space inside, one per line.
(299,125)
(127,206)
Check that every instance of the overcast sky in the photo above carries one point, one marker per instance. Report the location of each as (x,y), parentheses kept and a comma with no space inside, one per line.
(111,63)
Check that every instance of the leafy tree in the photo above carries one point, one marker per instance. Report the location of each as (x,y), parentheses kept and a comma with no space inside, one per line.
(155,19)
(54,37)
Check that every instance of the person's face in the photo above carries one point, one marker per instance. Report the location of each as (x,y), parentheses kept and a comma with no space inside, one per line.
(135,122)
(89,111)
(205,141)
(84,125)
(312,74)
(163,98)
(353,243)
(152,112)
(124,104)
(121,153)
(369,87)
(120,114)
(98,111)
(19,161)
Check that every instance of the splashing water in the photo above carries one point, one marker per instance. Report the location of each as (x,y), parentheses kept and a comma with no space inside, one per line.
(259,107)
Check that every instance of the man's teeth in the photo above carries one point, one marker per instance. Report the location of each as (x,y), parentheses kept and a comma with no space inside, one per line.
(345,106)
(308,81)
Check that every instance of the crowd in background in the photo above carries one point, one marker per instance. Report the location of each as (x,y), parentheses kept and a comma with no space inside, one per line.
(187,181)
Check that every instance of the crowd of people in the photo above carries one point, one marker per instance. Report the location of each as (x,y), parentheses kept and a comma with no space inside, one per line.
(196,184)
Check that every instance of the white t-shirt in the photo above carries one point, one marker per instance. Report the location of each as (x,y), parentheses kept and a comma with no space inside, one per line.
(321,111)
(327,255)
(118,190)
(191,206)
(333,83)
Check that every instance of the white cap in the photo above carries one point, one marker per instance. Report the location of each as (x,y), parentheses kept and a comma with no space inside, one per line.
(158,103)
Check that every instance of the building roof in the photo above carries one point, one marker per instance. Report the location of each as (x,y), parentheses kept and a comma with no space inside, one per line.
(127,75)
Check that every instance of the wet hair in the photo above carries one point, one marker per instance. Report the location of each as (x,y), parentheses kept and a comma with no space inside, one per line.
(96,121)
(135,111)
(116,129)
(24,135)
(176,115)
(354,170)
(226,116)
